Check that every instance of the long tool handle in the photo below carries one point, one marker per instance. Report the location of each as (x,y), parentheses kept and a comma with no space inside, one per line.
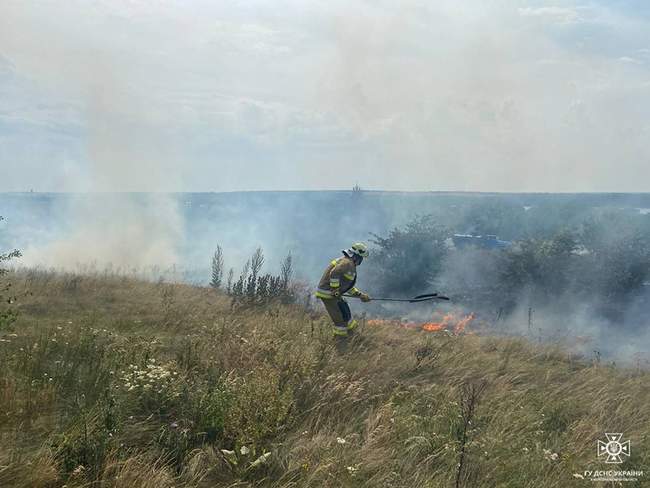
(420,298)
(387,299)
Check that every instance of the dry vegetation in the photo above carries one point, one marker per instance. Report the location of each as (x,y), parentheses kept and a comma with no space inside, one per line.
(112,382)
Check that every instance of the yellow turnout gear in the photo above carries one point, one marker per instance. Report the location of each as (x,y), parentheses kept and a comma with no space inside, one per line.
(338,279)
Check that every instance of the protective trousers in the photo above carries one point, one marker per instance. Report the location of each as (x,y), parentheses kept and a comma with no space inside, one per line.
(339,312)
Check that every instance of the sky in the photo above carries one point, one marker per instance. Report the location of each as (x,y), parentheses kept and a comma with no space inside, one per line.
(198,95)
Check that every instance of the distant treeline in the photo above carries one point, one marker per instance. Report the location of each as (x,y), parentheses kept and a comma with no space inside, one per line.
(315,226)
(603,259)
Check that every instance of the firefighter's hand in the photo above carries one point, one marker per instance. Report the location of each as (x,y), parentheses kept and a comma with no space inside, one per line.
(364,297)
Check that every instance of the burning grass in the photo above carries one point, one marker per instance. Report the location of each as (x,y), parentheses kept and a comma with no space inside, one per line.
(114,382)
(452,323)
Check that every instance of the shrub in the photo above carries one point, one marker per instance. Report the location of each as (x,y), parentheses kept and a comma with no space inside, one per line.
(7,298)
(410,258)
(217,269)
(260,407)
(252,288)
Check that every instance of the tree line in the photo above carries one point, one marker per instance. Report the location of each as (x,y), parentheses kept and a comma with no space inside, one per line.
(602,260)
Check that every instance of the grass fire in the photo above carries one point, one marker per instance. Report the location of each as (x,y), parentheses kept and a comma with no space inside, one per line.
(454,323)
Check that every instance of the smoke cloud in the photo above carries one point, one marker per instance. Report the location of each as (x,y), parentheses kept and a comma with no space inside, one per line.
(123,231)
(495,96)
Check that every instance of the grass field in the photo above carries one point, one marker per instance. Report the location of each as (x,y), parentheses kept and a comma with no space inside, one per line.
(113,382)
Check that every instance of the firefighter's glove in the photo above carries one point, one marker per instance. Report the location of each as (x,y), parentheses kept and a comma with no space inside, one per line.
(364,297)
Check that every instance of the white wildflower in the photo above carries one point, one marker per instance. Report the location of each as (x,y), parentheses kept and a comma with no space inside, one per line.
(341,440)
(550,455)
(244,450)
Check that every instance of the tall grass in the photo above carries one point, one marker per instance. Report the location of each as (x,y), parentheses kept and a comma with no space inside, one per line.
(110,381)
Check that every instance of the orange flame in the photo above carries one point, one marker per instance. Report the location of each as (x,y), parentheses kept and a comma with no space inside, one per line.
(462,323)
(453,323)
(433,326)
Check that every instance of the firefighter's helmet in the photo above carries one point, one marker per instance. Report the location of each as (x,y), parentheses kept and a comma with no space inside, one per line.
(359,248)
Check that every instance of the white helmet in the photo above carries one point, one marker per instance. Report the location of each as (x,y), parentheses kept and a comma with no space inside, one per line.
(358,248)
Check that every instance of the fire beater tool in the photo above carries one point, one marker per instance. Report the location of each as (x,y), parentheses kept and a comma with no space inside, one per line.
(417,299)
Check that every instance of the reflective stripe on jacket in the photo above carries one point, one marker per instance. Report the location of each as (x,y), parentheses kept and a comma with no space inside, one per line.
(340,275)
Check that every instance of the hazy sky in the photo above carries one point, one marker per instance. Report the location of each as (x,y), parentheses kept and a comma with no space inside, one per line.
(198,95)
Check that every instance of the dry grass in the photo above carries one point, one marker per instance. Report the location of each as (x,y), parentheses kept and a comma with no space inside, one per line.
(109,381)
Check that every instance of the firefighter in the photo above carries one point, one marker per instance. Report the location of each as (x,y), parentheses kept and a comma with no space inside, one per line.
(339,278)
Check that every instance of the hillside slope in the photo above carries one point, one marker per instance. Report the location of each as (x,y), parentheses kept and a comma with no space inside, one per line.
(108,381)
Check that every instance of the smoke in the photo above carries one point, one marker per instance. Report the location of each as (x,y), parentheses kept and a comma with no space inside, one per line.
(122,231)
(496,96)
(124,140)
(593,300)
(582,330)
(490,96)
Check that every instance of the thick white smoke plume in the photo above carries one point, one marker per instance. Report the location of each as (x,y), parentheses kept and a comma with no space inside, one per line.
(494,96)
(123,231)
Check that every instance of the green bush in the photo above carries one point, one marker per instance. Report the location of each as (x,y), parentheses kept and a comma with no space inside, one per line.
(7,298)
(259,408)
(409,259)
(253,288)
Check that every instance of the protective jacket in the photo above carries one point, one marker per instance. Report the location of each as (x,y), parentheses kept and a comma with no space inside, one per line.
(340,275)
